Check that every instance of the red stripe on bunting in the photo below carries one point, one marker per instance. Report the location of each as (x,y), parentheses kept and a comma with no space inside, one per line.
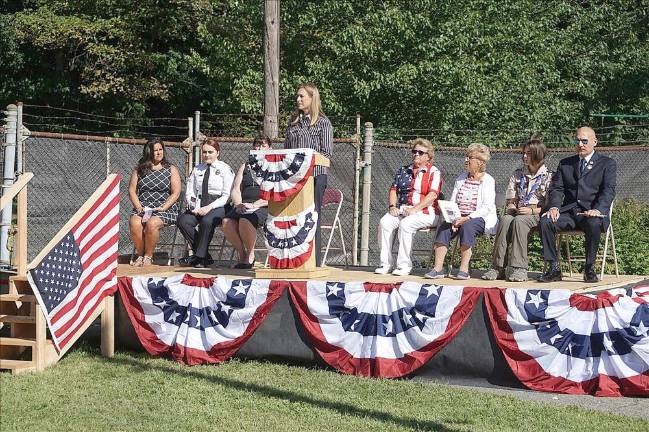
(533,376)
(291,263)
(285,224)
(380,287)
(343,361)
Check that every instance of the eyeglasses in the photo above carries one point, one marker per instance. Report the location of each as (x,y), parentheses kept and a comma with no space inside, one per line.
(472,157)
(578,141)
(418,152)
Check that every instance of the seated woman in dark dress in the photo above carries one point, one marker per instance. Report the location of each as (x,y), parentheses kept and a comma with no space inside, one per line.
(153,189)
(248,212)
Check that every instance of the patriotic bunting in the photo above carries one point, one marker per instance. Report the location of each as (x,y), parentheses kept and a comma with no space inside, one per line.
(281,174)
(380,330)
(290,239)
(572,343)
(197,320)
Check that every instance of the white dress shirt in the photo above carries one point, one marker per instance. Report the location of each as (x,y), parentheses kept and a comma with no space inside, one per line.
(219,183)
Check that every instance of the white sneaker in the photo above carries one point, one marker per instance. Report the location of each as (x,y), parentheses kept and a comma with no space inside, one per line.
(401,272)
(382,270)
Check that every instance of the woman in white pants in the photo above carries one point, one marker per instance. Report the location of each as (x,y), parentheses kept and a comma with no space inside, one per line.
(412,205)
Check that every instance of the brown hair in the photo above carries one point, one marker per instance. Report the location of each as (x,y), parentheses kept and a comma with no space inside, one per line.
(430,149)
(212,142)
(537,150)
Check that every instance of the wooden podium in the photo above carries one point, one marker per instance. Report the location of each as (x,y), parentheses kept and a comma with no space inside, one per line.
(291,206)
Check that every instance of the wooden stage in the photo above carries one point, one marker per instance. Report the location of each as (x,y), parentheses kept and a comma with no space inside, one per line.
(366,274)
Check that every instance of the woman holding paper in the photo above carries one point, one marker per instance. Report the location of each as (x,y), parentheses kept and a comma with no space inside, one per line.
(308,127)
(153,189)
(525,197)
(475,195)
(207,193)
(248,212)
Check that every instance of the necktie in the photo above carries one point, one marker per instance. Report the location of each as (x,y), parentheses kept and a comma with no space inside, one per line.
(582,166)
(205,195)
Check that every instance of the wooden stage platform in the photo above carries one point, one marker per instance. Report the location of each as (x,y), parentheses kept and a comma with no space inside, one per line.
(366,274)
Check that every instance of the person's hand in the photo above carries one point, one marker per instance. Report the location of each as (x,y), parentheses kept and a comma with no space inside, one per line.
(394,211)
(139,209)
(553,214)
(408,211)
(592,213)
(460,221)
(525,211)
(511,209)
(158,209)
(202,211)
(240,208)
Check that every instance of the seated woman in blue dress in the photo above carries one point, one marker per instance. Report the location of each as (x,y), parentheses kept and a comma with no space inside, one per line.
(153,189)
(249,212)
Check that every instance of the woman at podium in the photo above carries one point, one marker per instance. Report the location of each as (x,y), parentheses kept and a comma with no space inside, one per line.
(308,127)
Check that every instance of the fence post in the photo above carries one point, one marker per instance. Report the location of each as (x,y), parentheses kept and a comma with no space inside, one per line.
(197,130)
(11,118)
(19,139)
(190,150)
(357,178)
(367,187)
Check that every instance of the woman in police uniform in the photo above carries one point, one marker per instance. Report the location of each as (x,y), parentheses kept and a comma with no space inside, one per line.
(208,191)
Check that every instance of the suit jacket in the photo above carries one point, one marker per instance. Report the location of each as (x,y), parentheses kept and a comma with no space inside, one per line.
(593,189)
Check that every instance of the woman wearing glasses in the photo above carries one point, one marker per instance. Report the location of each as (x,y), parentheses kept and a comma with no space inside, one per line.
(475,195)
(412,205)
(308,127)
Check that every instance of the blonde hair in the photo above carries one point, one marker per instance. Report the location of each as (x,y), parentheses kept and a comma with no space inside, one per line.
(315,110)
(430,149)
(481,151)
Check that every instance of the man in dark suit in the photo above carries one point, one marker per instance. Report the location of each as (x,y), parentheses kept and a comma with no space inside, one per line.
(581,193)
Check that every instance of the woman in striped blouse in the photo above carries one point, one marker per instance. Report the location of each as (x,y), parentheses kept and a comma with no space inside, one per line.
(475,195)
(308,127)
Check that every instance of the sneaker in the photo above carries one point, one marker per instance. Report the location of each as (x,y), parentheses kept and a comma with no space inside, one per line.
(494,273)
(462,276)
(382,270)
(518,275)
(434,274)
(401,272)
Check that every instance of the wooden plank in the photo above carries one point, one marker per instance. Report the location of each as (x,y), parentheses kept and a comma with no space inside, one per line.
(20,319)
(9,194)
(16,341)
(38,353)
(18,298)
(73,220)
(21,237)
(108,327)
(17,365)
(297,273)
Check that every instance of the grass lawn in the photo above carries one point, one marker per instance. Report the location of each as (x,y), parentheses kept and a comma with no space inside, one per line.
(133,391)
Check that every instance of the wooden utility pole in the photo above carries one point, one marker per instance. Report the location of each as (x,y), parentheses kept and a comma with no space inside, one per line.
(271,67)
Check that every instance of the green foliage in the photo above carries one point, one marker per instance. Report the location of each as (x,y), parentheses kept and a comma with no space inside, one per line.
(430,65)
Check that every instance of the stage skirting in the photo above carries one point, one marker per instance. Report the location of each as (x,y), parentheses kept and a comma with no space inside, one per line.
(548,340)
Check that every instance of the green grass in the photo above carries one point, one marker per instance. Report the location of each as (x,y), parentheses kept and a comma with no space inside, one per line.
(135,392)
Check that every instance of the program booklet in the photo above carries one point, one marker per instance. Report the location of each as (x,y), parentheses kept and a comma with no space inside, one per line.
(450,210)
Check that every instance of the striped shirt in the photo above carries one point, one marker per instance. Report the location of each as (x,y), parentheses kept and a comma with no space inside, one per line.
(318,137)
(467,197)
(412,190)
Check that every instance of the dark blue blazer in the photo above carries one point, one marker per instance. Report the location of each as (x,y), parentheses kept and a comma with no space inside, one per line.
(594,189)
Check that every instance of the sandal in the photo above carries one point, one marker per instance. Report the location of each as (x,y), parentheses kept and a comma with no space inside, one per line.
(137,262)
(146,261)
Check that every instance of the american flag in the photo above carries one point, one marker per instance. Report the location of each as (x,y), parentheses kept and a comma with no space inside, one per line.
(76,274)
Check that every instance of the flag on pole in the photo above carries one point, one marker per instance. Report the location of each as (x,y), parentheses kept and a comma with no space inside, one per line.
(78,268)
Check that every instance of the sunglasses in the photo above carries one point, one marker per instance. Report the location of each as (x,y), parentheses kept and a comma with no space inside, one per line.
(578,141)
(418,152)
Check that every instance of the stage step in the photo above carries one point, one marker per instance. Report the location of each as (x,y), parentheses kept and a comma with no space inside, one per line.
(18,319)
(15,341)
(17,366)
(26,298)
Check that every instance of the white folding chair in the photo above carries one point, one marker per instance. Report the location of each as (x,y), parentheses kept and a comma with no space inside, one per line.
(332,197)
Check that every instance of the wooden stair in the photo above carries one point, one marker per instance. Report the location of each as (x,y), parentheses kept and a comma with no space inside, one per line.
(26,348)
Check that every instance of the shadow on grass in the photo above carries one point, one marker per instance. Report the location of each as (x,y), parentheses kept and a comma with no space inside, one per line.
(271,392)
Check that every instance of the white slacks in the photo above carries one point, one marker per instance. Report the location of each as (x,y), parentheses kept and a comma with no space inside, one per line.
(407,227)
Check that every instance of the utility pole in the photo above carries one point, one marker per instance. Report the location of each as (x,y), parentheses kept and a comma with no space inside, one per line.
(271,67)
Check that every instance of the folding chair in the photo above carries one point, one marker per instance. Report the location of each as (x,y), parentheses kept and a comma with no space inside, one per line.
(563,238)
(333,197)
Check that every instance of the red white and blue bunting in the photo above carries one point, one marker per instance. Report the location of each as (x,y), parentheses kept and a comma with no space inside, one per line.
(196,320)
(572,343)
(380,330)
(281,173)
(290,239)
